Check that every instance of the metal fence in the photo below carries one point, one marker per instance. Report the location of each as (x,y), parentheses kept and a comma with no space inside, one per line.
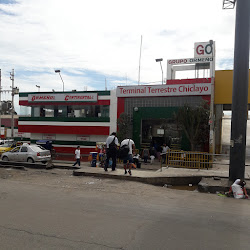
(189,159)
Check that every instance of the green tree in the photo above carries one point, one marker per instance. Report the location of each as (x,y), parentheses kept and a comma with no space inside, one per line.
(123,124)
(194,122)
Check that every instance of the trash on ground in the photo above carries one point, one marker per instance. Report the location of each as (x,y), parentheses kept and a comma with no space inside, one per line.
(167,186)
(90,183)
(217,178)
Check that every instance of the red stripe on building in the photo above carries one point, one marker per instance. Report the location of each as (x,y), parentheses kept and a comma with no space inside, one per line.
(99,102)
(6,122)
(189,81)
(207,98)
(76,130)
(120,106)
(71,150)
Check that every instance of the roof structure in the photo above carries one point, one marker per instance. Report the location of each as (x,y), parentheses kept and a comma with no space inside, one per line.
(228,4)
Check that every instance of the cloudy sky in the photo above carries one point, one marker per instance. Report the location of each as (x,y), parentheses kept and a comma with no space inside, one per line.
(90,40)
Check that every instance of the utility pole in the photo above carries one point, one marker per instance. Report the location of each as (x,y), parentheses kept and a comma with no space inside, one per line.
(240,92)
(12,103)
(212,116)
(139,71)
(0,103)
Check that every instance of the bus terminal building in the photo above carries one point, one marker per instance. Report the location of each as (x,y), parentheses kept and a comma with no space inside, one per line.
(87,117)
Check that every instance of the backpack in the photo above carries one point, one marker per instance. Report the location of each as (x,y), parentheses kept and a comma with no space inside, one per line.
(124,150)
(112,146)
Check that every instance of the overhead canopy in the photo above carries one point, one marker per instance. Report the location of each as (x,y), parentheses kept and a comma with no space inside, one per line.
(224,87)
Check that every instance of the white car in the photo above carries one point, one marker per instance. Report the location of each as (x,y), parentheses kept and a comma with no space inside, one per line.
(28,153)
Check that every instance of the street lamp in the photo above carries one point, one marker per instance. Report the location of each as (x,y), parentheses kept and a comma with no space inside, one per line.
(212,118)
(38,87)
(59,71)
(160,60)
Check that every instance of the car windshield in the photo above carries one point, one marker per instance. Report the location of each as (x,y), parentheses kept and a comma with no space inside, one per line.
(7,144)
(37,148)
(16,149)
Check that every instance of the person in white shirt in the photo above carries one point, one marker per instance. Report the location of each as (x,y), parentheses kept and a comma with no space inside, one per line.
(128,159)
(111,146)
(77,156)
(165,149)
(238,189)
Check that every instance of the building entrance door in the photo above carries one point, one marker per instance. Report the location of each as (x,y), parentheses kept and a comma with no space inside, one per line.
(161,131)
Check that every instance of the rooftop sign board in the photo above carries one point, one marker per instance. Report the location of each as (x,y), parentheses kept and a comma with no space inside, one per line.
(190,60)
(61,97)
(204,49)
(164,90)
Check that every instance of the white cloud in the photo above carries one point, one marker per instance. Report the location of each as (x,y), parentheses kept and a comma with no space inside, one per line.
(79,36)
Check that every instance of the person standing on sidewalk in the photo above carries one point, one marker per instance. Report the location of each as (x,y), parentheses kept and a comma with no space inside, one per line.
(111,145)
(77,156)
(128,158)
(165,150)
(145,155)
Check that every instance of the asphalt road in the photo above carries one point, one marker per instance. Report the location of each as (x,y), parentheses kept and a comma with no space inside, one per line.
(54,210)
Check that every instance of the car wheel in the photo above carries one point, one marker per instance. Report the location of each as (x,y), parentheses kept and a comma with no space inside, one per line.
(30,160)
(5,158)
(44,162)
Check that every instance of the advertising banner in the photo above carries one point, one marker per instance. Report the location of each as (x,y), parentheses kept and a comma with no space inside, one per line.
(82,138)
(190,60)
(63,97)
(49,137)
(204,49)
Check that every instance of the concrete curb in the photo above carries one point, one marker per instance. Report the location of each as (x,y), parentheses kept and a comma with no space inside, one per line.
(36,165)
(23,164)
(65,167)
(12,166)
(210,185)
(157,181)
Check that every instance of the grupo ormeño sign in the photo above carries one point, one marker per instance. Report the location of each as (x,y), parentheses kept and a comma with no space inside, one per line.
(63,97)
(186,61)
(190,60)
(164,90)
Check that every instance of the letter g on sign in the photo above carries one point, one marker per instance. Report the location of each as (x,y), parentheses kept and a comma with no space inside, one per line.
(200,50)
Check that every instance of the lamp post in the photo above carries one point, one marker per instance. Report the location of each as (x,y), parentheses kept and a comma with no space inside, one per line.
(212,75)
(59,71)
(240,92)
(160,60)
(38,87)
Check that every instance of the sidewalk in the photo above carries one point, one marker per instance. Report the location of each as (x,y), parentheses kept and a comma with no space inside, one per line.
(220,169)
(212,180)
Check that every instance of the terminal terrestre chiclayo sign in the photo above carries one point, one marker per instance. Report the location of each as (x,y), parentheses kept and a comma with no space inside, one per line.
(164,90)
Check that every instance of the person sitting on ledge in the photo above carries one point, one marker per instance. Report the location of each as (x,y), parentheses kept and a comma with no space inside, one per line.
(238,189)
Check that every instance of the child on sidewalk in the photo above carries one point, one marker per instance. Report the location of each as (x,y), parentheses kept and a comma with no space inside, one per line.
(152,157)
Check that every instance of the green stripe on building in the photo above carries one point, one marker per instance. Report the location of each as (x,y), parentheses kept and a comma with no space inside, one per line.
(100,93)
(66,119)
(75,143)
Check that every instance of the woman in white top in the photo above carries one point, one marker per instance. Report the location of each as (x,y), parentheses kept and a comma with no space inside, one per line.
(77,156)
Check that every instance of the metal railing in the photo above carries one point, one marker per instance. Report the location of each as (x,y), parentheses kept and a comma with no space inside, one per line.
(189,159)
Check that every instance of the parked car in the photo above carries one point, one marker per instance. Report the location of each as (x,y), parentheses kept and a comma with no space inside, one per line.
(29,153)
(8,145)
(47,144)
